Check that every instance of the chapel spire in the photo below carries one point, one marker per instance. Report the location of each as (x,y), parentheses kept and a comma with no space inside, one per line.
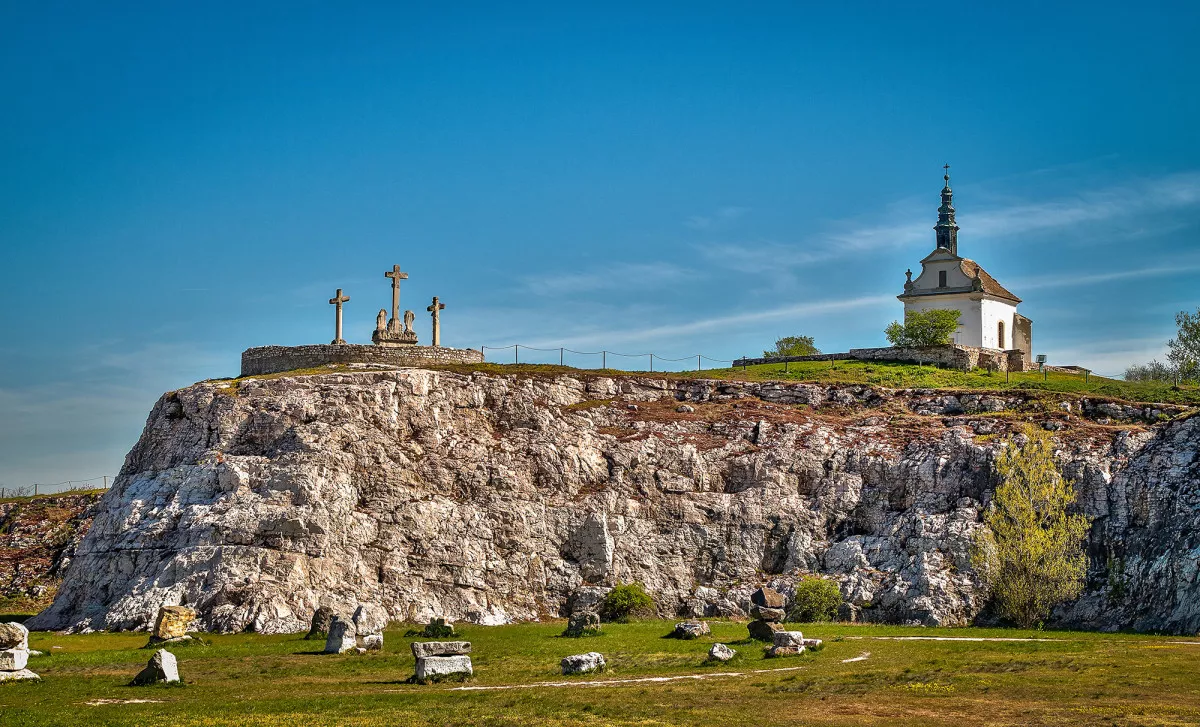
(946,229)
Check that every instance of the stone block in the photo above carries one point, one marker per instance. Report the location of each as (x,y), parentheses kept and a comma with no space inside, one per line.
(372,642)
(13,636)
(768,598)
(161,668)
(438,667)
(370,619)
(16,676)
(787,638)
(767,614)
(763,630)
(172,622)
(319,628)
(425,649)
(584,623)
(341,637)
(691,630)
(13,659)
(583,663)
(777,651)
(721,652)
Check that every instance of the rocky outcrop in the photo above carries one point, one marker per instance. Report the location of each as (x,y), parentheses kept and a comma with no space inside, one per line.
(491,498)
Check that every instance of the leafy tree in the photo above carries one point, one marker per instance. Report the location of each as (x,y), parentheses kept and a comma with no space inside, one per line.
(816,599)
(927,328)
(625,602)
(1153,371)
(793,346)
(1184,349)
(1030,554)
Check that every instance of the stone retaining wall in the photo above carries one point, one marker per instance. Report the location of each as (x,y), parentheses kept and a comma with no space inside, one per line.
(950,356)
(275,359)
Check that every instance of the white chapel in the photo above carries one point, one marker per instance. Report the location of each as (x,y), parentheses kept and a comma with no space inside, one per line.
(989,311)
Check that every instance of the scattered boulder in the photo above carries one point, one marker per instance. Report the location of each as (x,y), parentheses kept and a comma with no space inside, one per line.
(688,630)
(161,669)
(372,642)
(685,409)
(763,613)
(14,653)
(13,659)
(13,636)
(768,598)
(341,637)
(721,652)
(424,649)
(437,660)
(583,663)
(584,623)
(786,643)
(171,625)
(763,630)
(322,618)
(369,622)
(436,668)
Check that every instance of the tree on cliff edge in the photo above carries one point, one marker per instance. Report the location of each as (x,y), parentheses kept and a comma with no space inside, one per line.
(1030,554)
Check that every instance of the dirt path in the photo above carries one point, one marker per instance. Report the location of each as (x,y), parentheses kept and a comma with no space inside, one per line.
(619,682)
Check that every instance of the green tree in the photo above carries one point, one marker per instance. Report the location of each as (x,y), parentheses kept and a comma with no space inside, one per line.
(927,328)
(1030,552)
(793,346)
(625,602)
(816,599)
(1184,349)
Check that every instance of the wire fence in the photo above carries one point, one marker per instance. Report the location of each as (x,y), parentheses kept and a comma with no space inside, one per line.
(55,488)
(605,359)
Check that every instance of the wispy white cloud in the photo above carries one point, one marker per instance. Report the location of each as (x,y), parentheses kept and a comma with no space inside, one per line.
(721,218)
(672,331)
(1109,357)
(1070,280)
(909,224)
(610,277)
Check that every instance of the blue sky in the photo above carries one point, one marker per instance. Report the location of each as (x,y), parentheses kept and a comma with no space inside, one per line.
(181,182)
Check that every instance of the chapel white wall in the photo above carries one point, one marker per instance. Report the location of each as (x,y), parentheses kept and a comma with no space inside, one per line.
(992,312)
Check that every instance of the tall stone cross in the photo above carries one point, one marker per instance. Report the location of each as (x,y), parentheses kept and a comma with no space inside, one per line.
(338,300)
(396,277)
(436,309)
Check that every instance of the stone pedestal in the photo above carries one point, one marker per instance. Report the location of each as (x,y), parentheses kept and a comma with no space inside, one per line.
(438,660)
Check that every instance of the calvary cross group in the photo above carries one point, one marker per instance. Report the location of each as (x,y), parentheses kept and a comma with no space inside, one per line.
(391,332)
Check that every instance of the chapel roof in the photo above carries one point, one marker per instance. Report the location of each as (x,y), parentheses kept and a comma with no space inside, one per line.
(990,286)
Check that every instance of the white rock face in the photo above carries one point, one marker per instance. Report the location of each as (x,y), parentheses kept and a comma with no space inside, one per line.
(489,499)
(583,663)
(721,652)
(13,636)
(435,667)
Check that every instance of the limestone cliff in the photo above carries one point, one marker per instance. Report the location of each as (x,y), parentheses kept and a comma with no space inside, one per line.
(492,498)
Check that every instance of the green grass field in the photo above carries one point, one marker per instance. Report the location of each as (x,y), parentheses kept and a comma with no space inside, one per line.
(247,679)
(892,375)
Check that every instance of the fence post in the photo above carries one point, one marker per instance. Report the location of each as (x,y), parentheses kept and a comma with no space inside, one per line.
(651,363)
(1085,375)
(516,353)
(1045,374)
(604,359)
(560,357)
(697,362)
(785,366)
(106,482)
(35,489)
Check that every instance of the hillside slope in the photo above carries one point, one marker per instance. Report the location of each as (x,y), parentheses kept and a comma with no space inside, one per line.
(38,537)
(492,498)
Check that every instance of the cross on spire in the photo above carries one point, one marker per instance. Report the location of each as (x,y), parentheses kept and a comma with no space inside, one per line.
(946,166)
(337,300)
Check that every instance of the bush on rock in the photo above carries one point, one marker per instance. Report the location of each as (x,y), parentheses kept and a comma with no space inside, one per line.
(626,602)
(816,599)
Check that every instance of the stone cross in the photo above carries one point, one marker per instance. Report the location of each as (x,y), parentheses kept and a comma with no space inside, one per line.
(396,277)
(435,309)
(338,300)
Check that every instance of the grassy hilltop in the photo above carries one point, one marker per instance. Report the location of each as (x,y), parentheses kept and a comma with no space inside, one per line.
(896,376)
(248,679)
